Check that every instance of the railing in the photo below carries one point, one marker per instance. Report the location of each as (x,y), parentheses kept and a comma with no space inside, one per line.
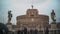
(35,32)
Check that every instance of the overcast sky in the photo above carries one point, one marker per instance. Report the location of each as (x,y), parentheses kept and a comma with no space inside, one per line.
(19,7)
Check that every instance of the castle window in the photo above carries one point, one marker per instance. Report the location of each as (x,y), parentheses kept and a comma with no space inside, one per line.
(32,19)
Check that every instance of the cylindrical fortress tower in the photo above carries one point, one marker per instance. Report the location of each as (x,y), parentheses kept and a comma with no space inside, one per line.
(32,20)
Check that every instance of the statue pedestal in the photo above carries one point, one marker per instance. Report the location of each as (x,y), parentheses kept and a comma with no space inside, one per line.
(53,25)
(9,25)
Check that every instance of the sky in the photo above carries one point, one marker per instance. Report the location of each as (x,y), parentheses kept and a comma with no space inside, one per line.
(19,7)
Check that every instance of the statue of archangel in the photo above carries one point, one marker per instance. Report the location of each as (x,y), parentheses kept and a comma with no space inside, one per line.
(9,16)
(53,16)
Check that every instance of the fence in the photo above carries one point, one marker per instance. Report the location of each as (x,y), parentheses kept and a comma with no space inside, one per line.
(34,32)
